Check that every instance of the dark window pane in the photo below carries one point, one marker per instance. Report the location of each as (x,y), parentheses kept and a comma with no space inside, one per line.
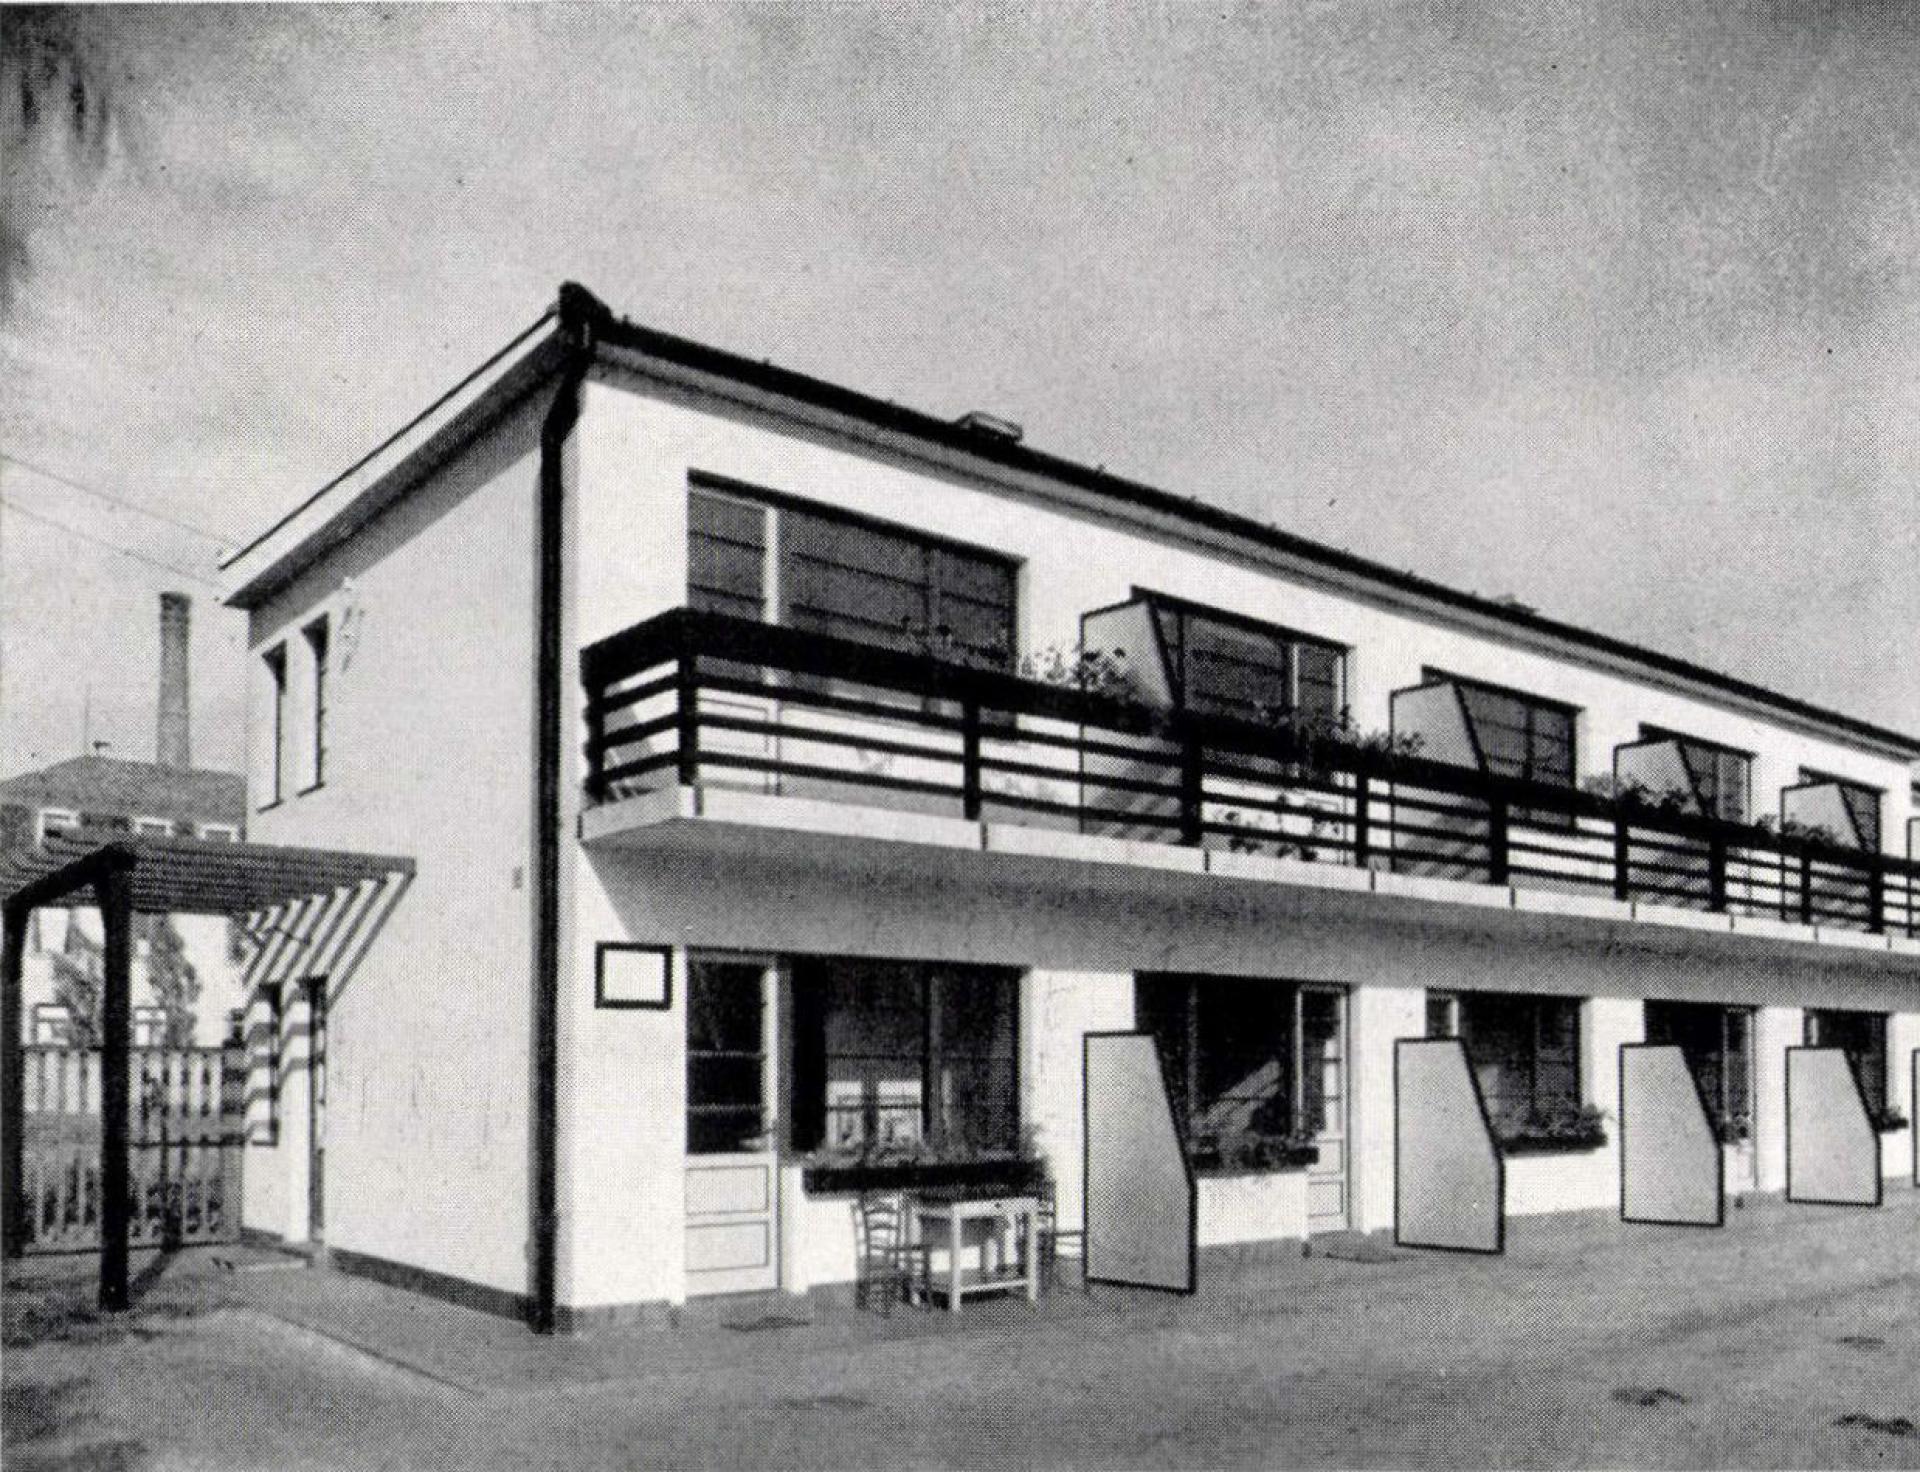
(726,1062)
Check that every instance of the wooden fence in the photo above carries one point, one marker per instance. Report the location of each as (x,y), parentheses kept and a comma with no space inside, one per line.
(186,1128)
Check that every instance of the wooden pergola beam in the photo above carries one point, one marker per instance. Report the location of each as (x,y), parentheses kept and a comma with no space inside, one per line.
(140,876)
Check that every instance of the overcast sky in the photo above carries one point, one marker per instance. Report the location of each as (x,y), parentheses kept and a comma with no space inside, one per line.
(1617,311)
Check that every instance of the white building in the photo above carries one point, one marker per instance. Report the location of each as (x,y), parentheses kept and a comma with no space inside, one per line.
(743,859)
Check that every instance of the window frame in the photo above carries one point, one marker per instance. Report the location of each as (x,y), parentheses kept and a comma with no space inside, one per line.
(1535,1002)
(52,1025)
(1876,1083)
(56,820)
(1716,749)
(1175,665)
(767,976)
(1812,777)
(1726,1119)
(1184,1066)
(809,1128)
(319,641)
(218,832)
(151,827)
(775,595)
(274,658)
(1429,675)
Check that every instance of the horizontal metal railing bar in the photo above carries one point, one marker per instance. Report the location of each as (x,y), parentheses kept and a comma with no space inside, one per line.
(818,736)
(627,735)
(641,768)
(800,695)
(606,705)
(1144,785)
(809,771)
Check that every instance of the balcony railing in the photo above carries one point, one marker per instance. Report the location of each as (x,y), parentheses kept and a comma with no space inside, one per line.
(703,699)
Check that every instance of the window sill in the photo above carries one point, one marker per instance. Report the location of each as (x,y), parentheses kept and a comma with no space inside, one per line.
(1282,1163)
(851,1179)
(1548,1145)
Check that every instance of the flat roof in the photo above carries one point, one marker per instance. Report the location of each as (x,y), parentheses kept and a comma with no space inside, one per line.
(579,306)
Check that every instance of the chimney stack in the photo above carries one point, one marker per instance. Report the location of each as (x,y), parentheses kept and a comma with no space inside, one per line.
(172,746)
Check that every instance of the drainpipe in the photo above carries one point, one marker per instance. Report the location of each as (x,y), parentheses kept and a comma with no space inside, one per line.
(580,313)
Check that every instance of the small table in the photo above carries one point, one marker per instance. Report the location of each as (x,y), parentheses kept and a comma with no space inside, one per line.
(1018,1215)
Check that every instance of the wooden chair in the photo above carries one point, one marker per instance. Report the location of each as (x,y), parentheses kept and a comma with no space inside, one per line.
(889,1267)
(1051,1235)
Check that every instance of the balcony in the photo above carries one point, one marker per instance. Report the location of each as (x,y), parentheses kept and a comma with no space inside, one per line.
(708,703)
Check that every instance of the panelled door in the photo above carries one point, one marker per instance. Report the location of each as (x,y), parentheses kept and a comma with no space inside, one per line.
(1323,1089)
(732,1175)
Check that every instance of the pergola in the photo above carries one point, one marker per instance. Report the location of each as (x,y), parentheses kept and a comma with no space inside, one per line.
(312,909)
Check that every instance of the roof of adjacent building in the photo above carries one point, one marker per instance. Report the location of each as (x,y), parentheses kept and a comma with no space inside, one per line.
(363,482)
(113,787)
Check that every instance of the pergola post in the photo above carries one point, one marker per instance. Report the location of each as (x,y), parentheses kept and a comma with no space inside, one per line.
(114,891)
(13,1085)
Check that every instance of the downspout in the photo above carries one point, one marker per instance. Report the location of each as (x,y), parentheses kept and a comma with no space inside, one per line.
(580,312)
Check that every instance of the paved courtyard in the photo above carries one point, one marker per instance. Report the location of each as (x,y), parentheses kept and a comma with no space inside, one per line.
(1791,1339)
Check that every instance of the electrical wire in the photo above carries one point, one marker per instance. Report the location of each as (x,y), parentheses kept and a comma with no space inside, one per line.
(133,506)
(74,531)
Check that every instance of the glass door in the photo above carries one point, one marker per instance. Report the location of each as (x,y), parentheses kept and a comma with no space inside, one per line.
(732,1175)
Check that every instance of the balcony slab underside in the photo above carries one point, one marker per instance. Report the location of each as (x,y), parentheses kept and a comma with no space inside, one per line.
(719,820)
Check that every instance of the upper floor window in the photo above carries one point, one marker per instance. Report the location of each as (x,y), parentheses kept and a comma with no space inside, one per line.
(275,660)
(1849,810)
(316,635)
(149,1024)
(152,828)
(1222,664)
(58,820)
(52,1024)
(1515,734)
(220,832)
(1718,779)
(756,555)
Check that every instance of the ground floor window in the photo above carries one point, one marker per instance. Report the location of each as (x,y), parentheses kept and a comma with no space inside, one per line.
(1525,1051)
(1252,1065)
(1718,1044)
(896,1056)
(1862,1036)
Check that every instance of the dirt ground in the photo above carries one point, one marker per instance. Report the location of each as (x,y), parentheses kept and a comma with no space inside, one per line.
(1789,1339)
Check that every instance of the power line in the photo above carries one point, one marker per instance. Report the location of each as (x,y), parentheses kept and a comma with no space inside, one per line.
(74,531)
(133,506)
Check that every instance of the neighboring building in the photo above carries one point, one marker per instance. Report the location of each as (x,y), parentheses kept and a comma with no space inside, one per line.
(112,798)
(725,885)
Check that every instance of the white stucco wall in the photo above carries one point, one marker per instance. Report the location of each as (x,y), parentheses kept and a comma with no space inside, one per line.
(430,733)
(637,451)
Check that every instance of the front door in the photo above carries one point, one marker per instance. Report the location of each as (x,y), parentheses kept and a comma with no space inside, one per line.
(1323,1089)
(732,1182)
